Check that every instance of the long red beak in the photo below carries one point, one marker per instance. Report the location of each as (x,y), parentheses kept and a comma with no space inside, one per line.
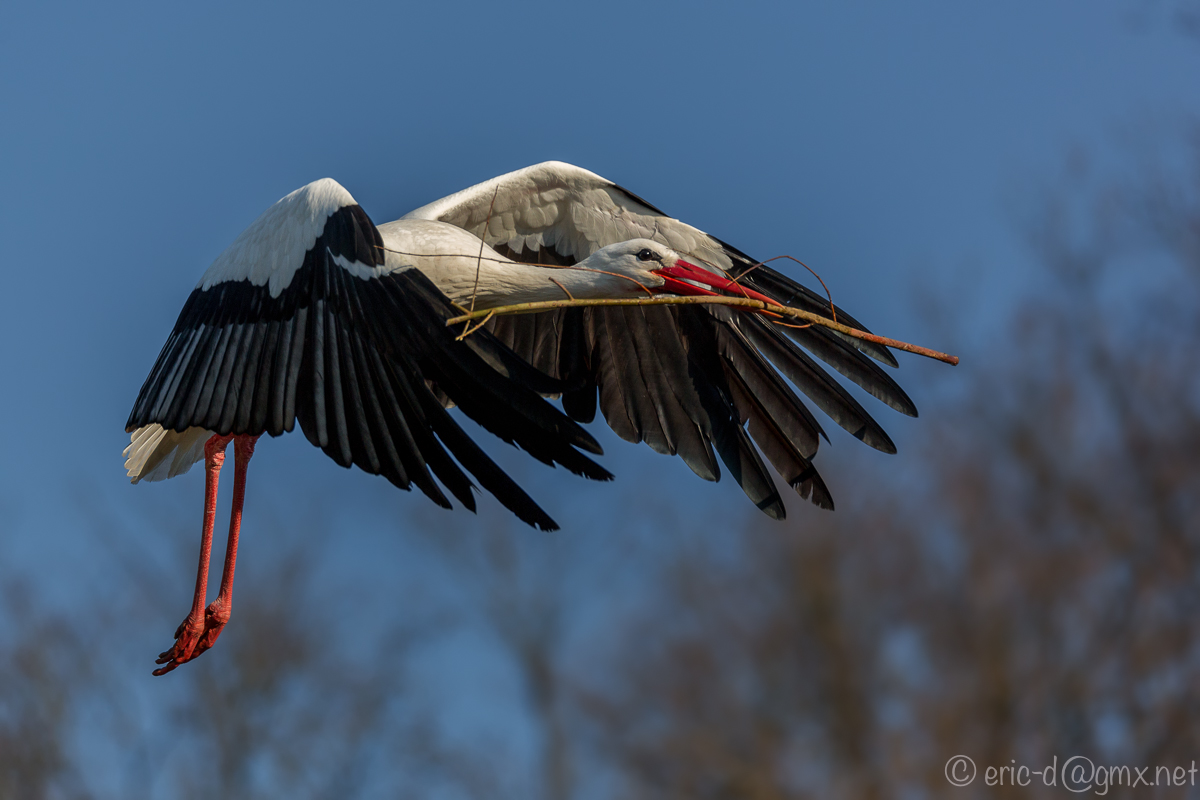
(677,278)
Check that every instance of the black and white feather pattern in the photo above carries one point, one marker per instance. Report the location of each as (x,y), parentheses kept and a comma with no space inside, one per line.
(300,320)
(701,382)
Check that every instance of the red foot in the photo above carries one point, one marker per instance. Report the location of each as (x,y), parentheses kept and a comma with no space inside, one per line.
(187,636)
(194,637)
(215,617)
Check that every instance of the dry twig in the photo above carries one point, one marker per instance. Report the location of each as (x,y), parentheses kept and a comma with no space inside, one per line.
(758,305)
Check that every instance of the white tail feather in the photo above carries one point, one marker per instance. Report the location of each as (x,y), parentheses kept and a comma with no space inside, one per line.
(155,454)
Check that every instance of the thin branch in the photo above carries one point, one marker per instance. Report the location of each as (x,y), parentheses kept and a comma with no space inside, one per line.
(734,280)
(479,259)
(828,294)
(757,305)
(565,290)
(634,281)
(469,329)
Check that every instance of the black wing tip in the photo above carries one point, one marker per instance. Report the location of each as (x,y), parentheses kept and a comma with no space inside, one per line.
(580,404)
(601,474)
(704,471)
(881,353)
(467,498)
(812,487)
(586,468)
(576,463)
(896,398)
(441,501)
(584,440)
(875,437)
(773,507)
(904,406)
(529,512)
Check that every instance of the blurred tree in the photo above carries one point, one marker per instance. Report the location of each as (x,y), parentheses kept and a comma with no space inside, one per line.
(283,712)
(40,677)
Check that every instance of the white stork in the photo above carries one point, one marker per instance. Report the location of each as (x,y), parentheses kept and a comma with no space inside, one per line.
(313,314)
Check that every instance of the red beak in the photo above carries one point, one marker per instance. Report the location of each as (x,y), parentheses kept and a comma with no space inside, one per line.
(677,278)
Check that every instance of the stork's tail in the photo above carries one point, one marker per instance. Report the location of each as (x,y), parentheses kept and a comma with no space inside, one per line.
(155,453)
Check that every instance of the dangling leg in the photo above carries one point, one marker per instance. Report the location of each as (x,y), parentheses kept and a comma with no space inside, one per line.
(217,613)
(189,632)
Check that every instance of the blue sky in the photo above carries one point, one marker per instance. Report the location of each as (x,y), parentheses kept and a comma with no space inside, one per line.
(882,143)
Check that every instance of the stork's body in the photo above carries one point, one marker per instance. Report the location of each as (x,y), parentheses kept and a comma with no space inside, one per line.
(315,315)
(462,267)
(469,272)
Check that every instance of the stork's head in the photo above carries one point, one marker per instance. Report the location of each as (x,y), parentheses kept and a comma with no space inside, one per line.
(640,264)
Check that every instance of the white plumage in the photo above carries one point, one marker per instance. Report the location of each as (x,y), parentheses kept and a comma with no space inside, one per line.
(155,454)
(568,209)
(272,248)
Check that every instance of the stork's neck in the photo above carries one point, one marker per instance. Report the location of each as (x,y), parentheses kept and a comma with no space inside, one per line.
(450,257)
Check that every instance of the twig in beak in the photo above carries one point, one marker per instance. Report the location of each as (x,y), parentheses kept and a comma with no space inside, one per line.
(748,303)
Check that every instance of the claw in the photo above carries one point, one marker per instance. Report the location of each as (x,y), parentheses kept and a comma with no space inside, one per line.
(192,639)
(188,639)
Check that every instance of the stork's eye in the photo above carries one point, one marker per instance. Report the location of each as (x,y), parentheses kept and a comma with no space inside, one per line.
(646,254)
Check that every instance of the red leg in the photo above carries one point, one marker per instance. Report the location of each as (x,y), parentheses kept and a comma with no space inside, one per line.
(189,632)
(218,612)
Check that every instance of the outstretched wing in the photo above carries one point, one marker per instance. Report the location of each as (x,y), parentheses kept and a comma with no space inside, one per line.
(697,381)
(300,320)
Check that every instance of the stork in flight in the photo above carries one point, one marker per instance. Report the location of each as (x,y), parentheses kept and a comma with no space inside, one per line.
(314,314)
